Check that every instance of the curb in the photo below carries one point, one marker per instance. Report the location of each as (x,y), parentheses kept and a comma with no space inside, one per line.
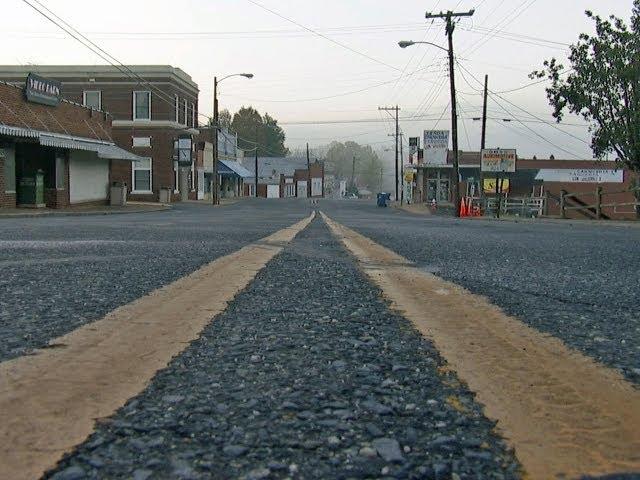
(81,214)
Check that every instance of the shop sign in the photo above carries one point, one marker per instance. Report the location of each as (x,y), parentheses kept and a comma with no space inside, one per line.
(414,145)
(436,145)
(498,160)
(489,185)
(42,90)
(580,175)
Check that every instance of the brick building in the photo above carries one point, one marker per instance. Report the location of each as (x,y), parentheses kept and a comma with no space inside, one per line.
(70,147)
(150,106)
(285,177)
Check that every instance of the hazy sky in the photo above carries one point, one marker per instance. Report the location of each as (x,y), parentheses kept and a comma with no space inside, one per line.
(296,70)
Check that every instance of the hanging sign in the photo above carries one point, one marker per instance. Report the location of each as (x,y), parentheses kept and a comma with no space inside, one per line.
(42,90)
(436,145)
(498,160)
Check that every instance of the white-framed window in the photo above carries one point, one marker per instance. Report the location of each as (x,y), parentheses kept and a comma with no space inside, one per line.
(193,176)
(193,115)
(176,178)
(186,117)
(177,99)
(141,176)
(92,99)
(252,190)
(141,142)
(142,105)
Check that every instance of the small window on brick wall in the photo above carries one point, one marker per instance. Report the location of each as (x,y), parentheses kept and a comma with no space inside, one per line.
(60,171)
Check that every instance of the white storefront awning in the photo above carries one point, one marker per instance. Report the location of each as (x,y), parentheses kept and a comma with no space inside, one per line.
(105,150)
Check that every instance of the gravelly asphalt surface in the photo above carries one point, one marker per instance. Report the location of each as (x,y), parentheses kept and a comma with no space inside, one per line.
(306,375)
(60,273)
(574,281)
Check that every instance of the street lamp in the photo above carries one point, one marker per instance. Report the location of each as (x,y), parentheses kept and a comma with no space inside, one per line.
(216,190)
(408,43)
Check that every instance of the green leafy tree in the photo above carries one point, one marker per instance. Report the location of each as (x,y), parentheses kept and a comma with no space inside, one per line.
(224,119)
(603,86)
(368,166)
(252,128)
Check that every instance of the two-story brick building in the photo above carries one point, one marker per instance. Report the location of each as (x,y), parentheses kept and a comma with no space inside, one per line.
(150,105)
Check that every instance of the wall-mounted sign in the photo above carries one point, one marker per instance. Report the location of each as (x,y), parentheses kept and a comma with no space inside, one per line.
(414,145)
(498,160)
(580,175)
(42,90)
(489,185)
(436,145)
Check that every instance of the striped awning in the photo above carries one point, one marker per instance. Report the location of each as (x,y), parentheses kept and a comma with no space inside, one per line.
(105,150)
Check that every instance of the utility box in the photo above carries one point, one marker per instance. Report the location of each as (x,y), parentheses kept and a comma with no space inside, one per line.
(165,195)
(31,191)
(118,194)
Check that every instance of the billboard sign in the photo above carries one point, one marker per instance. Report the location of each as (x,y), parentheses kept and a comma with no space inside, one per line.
(498,160)
(414,145)
(580,175)
(436,145)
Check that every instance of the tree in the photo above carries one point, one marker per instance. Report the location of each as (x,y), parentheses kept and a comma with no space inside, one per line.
(224,119)
(253,129)
(368,166)
(603,86)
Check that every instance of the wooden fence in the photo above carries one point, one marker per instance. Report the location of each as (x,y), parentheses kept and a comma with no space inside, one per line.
(593,208)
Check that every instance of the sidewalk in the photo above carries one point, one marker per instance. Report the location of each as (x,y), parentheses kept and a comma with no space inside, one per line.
(83,210)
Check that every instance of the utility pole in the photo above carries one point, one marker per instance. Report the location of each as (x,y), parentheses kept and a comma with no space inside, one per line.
(256,185)
(308,173)
(401,170)
(449,16)
(396,109)
(215,193)
(353,172)
(483,140)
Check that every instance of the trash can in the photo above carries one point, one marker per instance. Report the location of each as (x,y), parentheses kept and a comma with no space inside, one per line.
(165,195)
(31,191)
(383,198)
(118,194)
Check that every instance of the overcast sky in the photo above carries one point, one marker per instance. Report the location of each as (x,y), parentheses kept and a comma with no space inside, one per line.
(296,70)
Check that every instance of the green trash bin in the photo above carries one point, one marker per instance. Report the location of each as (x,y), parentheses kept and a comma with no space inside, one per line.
(31,191)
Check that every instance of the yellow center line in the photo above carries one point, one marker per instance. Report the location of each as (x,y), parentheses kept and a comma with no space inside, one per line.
(49,402)
(565,415)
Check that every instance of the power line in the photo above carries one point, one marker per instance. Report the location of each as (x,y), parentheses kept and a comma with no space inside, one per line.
(340,44)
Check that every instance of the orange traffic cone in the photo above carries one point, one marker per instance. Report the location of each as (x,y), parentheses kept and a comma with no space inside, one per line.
(463,208)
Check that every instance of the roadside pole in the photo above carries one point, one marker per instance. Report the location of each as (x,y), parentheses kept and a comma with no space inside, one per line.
(308,173)
(256,179)
(449,16)
(396,109)
(483,139)
(401,169)
(216,191)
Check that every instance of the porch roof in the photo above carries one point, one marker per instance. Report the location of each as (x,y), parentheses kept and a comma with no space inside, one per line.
(104,149)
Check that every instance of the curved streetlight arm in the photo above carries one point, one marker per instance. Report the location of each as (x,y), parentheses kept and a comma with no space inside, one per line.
(405,44)
(246,75)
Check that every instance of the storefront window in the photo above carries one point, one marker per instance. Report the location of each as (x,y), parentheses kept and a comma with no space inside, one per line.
(142,175)
(9,170)
(60,171)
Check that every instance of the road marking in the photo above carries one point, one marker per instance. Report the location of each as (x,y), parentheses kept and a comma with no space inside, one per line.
(49,402)
(565,415)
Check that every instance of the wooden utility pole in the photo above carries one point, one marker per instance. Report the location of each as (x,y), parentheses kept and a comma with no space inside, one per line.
(449,16)
(256,179)
(308,173)
(396,109)
(401,170)
(483,139)
(215,193)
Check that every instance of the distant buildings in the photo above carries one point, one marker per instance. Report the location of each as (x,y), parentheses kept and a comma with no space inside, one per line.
(285,177)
